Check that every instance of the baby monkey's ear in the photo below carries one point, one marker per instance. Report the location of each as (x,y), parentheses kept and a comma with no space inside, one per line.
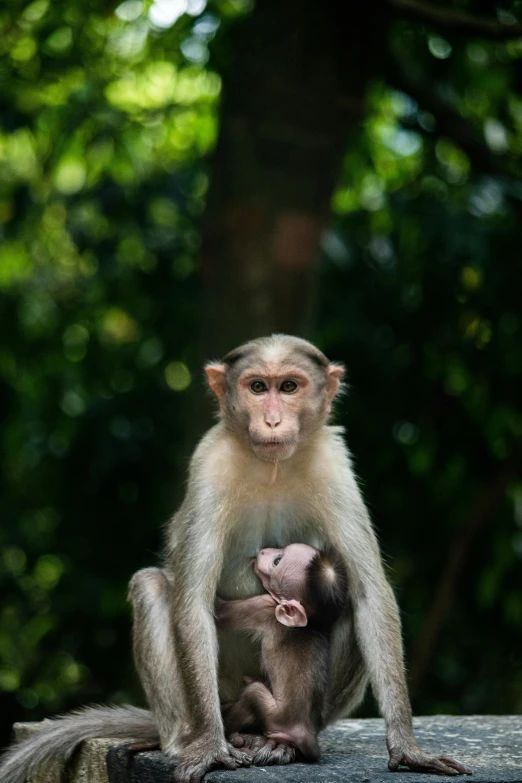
(291,613)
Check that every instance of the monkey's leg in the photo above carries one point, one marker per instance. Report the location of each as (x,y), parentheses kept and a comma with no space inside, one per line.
(377,640)
(241,715)
(349,678)
(154,652)
(156,661)
(256,706)
(244,733)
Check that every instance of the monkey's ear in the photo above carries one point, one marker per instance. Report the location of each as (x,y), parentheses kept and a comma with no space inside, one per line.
(334,373)
(216,379)
(291,613)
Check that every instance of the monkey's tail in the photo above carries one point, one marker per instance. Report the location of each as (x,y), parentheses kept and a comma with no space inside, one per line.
(59,737)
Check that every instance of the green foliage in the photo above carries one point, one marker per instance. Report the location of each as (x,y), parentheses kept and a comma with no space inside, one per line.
(422,274)
(101,144)
(109,114)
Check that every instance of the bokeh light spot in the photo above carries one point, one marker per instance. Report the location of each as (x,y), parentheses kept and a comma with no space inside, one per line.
(118,327)
(177,376)
(70,176)
(48,570)
(439,47)
(130,10)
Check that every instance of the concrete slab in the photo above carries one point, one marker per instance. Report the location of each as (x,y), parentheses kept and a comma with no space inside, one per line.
(354,751)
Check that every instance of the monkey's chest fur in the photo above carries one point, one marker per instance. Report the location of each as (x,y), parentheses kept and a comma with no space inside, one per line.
(275,523)
(264,508)
(270,523)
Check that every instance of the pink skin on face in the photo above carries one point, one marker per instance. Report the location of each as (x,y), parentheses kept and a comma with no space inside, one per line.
(279,403)
(282,571)
(274,401)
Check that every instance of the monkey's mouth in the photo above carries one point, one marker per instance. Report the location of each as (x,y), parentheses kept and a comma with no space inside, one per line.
(273,449)
(272,442)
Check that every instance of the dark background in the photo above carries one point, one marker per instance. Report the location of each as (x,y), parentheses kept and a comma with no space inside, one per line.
(176,177)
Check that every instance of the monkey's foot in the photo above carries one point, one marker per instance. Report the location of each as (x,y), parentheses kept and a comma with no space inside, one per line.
(274,753)
(197,761)
(253,742)
(264,752)
(419,761)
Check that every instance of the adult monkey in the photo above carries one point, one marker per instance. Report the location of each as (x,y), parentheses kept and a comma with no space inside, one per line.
(269,474)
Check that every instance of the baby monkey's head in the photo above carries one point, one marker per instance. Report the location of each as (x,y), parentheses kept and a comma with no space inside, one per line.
(310,585)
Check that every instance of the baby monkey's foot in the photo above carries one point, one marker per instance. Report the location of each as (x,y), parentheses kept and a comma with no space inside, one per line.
(273,753)
(265,752)
(253,742)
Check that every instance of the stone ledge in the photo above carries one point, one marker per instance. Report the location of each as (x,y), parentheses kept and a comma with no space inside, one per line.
(88,764)
(352,750)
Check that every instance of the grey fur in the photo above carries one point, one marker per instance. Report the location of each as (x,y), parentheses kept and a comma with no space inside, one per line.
(58,738)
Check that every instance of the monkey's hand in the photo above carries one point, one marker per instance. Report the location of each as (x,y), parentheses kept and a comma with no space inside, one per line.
(419,761)
(197,759)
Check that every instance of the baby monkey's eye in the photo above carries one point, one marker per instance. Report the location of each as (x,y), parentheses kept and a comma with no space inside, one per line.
(277,561)
(288,387)
(258,387)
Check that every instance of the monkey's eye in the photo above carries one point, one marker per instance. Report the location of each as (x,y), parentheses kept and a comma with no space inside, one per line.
(288,387)
(277,561)
(258,387)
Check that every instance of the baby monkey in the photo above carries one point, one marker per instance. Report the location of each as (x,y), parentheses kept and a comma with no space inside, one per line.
(306,593)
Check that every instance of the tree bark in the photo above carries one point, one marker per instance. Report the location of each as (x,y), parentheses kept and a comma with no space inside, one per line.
(292,98)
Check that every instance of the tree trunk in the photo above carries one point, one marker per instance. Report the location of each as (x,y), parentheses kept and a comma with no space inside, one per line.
(292,97)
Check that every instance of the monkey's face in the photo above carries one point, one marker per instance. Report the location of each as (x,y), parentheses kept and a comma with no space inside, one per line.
(283,571)
(274,402)
(274,392)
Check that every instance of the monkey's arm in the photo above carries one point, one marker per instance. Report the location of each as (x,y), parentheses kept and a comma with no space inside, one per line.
(378,629)
(197,562)
(249,614)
